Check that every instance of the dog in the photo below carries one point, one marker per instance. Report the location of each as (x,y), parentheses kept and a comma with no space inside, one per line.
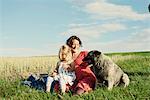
(106,70)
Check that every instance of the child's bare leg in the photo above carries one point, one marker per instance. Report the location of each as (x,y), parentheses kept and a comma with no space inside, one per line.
(49,83)
(62,85)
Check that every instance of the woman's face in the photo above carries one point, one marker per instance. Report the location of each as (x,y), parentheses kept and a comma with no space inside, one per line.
(75,45)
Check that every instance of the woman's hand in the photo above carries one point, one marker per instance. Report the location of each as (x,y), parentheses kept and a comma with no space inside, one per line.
(84,64)
(71,67)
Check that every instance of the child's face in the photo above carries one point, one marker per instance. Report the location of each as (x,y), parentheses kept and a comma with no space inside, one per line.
(64,56)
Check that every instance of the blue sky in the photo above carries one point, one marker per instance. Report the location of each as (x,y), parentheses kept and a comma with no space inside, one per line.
(40,27)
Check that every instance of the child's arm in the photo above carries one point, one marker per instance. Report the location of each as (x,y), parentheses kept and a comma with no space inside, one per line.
(55,72)
(57,67)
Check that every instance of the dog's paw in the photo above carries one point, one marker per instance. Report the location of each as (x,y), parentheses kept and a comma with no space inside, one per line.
(109,88)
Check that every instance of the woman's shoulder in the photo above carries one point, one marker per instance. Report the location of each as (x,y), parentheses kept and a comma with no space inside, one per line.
(80,57)
(84,53)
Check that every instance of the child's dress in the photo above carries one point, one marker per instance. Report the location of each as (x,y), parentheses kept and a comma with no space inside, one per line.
(64,77)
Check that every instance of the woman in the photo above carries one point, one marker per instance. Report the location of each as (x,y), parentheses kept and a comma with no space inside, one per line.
(85,78)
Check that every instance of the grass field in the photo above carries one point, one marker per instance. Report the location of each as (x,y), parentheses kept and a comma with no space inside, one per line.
(13,69)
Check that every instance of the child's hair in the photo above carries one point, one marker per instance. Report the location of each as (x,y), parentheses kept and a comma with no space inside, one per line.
(65,53)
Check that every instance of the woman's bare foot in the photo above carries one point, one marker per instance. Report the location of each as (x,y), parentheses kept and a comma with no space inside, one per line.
(79,92)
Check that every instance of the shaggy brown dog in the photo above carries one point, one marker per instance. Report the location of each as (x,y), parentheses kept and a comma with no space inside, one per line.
(106,70)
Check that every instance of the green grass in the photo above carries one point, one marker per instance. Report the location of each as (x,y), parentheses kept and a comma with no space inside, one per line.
(136,65)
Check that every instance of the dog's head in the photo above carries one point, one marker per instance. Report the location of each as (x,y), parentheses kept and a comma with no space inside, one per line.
(92,57)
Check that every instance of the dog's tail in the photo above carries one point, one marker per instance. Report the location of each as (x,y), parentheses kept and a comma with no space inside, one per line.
(125,80)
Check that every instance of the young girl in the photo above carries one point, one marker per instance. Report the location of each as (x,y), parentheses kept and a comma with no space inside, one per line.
(63,72)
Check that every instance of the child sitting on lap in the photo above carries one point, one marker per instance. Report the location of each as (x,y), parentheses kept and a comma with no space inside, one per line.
(63,72)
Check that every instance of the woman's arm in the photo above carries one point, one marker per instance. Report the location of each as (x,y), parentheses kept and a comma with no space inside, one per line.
(80,57)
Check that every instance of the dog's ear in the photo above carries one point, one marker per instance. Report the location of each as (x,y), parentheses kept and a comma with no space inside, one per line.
(91,53)
(96,54)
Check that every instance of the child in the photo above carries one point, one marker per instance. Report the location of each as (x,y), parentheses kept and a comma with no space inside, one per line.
(62,72)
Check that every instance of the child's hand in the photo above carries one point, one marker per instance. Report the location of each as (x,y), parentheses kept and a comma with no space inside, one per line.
(65,66)
(54,74)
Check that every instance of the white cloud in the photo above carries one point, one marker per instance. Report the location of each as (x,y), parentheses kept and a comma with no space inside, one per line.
(141,36)
(117,46)
(81,24)
(137,42)
(103,10)
(100,9)
(113,27)
(93,30)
